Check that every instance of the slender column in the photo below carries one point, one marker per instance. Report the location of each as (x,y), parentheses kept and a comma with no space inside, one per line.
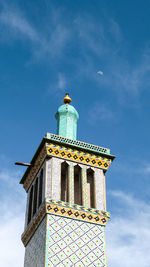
(56,178)
(84,187)
(27,209)
(44,167)
(48,179)
(104,190)
(71,182)
(99,189)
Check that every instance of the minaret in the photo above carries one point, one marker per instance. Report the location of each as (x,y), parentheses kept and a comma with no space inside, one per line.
(67,117)
(66,198)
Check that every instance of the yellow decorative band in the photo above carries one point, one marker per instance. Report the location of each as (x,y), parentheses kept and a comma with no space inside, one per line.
(78,156)
(67,210)
(66,153)
(76,214)
(77,207)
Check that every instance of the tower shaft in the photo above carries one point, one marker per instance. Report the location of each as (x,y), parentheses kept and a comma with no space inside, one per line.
(66,202)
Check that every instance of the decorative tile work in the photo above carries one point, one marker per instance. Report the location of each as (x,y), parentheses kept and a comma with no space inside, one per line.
(78,156)
(35,250)
(76,214)
(84,186)
(63,209)
(56,178)
(67,117)
(77,143)
(77,207)
(63,152)
(49,179)
(33,225)
(80,151)
(34,169)
(74,243)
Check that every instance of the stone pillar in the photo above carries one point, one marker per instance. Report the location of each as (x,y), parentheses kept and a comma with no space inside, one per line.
(104,189)
(71,183)
(84,186)
(99,189)
(48,179)
(56,178)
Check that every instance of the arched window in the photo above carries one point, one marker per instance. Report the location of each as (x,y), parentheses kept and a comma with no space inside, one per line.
(35,196)
(40,188)
(77,185)
(30,204)
(90,188)
(64,182)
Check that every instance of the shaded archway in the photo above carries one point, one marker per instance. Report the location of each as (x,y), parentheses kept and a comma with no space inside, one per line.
(90,188)
(77,185)
(64,182)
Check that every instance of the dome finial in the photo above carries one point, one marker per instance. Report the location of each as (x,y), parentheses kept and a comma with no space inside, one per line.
(67,99)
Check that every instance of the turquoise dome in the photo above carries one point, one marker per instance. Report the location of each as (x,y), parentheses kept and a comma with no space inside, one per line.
(68,109)
(67,117)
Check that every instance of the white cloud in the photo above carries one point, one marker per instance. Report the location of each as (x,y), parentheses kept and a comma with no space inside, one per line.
(101,112)
(12,203)
(11,228)
(14,25)
(18,25)
(115,30)
(59,86)
(61,82)
(146,169)
(128,233)
(104,41)
(135,165)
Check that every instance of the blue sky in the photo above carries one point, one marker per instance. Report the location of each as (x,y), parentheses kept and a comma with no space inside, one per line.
(48,48)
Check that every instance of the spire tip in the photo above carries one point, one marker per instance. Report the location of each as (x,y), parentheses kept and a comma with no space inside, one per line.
(67,99)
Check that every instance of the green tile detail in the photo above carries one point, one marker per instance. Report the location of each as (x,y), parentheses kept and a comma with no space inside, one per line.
(67,117)
(79,247)
(76,143)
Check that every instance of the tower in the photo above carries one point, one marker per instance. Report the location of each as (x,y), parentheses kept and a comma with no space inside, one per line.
(66,198)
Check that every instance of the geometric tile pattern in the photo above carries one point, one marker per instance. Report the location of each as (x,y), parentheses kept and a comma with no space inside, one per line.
(74,243)
(98,160)
(78,207)
(77,143)
(78,156)
(76,214)
(64,210)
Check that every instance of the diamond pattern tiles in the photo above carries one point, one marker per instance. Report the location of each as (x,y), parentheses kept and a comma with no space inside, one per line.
(78,156)
(77,214)
(63,210)
(66,153)
(74,243)
(78,207)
